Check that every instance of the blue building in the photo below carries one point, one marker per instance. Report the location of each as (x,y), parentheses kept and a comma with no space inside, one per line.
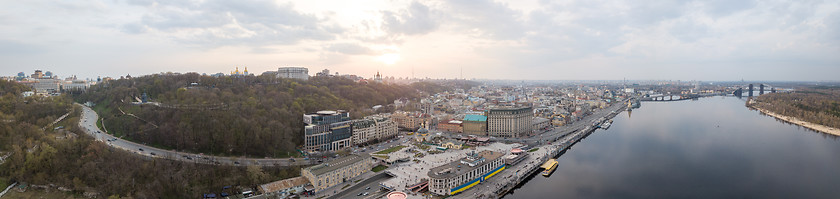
(327,131)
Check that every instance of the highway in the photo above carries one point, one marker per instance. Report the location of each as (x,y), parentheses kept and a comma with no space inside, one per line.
(88,124)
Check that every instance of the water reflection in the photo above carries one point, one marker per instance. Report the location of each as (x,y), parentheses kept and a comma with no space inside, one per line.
(709,148)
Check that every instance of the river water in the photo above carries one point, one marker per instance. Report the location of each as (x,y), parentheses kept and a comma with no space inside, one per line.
(707,148)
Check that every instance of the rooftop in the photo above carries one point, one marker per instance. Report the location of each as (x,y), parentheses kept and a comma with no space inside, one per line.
(337,163)
(475,118)
(463,165)
(283,184)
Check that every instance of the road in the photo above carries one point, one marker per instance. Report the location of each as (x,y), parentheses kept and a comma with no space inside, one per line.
(369,185)
(88,124)
(556,133)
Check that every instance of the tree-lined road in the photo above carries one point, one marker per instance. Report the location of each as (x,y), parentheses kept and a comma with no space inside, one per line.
(88,124)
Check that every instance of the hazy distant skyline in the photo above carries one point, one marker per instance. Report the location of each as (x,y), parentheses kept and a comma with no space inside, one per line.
(537,40)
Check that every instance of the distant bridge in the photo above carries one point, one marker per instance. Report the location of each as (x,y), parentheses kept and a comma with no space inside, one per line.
(740,91)
(680,97)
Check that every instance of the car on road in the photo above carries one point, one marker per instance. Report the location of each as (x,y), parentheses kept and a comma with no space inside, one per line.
(292,159)
(360,193)
(368,188)
(366,193)
(153,153)
(141,149)
(236,162)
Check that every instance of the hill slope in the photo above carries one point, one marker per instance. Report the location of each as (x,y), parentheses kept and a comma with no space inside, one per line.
(252,116)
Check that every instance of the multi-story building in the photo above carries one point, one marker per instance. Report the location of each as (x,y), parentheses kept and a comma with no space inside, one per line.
(337,171)
(323,73)
(450,126)
(75,85)
(411,121)
(509,121)
(427,106)
(372,128)
(540,123)
(38,74)
(293,72)
(462,174)
(45,85)
(475,124)
(327,131)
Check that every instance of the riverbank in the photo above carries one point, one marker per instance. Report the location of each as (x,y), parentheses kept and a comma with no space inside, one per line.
(794,120)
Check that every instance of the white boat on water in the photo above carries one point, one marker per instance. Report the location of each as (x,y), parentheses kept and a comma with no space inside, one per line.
(606,125)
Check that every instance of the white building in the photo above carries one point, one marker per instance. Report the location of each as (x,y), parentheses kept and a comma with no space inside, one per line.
(460,175)
(293,72)
(76,85)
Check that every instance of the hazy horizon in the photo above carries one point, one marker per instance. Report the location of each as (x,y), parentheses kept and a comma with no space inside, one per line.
(500,40)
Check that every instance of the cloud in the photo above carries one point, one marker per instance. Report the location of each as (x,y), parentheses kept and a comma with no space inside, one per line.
(720,8)
(349,49)
(9,47)
(221,23)
(486,19)
(417,19)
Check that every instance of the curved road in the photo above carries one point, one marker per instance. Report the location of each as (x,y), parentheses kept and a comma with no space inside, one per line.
(88,124)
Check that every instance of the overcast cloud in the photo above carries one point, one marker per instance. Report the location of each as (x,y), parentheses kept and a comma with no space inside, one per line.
(535,39)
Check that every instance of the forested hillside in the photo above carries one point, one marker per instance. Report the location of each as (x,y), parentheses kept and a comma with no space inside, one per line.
(253,116)
(68,158)
(820,105)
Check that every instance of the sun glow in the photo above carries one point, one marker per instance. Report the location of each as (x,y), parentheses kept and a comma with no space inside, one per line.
(389,58)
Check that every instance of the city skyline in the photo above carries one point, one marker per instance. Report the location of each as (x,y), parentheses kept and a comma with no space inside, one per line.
(528,40)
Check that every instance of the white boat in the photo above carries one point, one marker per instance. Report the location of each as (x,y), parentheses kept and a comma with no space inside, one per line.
(606,125)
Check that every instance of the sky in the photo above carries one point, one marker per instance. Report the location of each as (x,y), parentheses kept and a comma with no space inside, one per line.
(719,40)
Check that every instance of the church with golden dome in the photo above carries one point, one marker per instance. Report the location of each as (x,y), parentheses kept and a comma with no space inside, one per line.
(237,73)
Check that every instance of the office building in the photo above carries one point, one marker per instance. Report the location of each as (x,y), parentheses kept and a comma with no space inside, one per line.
(509,122)
(293,72)
(47,85)
(327,131)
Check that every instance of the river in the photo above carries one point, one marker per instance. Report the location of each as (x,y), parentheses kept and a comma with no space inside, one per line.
(708,148)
